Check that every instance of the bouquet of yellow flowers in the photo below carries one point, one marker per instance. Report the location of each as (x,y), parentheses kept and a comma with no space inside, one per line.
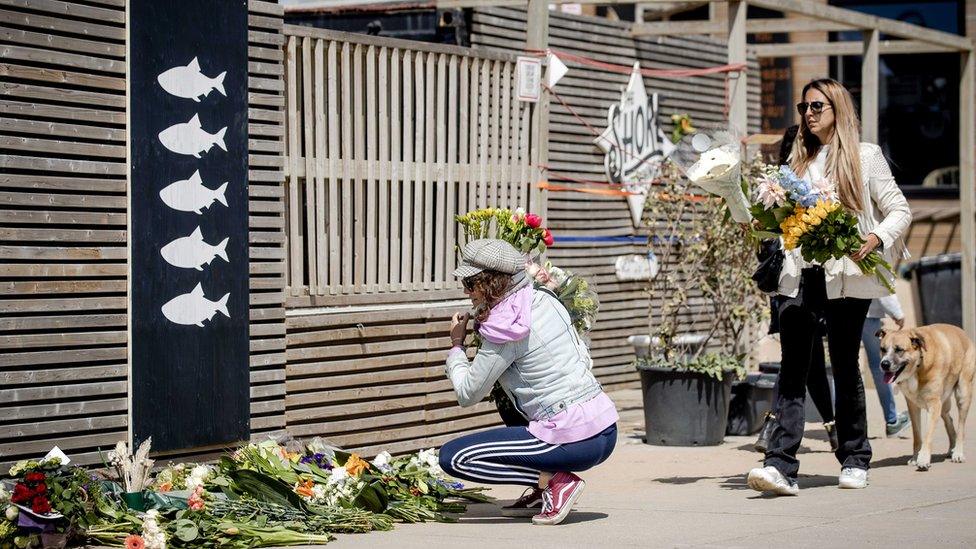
(809,216)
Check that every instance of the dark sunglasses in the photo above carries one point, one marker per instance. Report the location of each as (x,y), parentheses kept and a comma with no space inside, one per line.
(468,282)
(816,106)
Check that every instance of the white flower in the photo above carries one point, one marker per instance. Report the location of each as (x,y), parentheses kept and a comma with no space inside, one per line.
(382,458)
(520,213)
(198,475)
(428,457)
(151,533)
(4,495)
(338,476)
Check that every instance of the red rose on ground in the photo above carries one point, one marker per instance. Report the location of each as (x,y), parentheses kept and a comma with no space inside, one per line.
(21,493)
(547,237)
(533,220)
(40,505)
(35,477)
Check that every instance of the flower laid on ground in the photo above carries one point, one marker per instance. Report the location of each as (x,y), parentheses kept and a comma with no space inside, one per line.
(196,498)
(809,217)
(32,493)
(152,534)
(261,495)
(133,470)
(134,541)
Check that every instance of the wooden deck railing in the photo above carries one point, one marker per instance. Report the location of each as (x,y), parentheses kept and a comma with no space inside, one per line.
(386,142)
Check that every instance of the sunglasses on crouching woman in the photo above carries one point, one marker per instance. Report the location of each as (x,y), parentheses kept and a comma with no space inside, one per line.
(469,282)
(816,107)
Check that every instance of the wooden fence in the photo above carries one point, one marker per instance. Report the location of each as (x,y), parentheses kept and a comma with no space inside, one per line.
(387,141)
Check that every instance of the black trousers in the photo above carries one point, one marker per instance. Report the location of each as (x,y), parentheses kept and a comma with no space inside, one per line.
(798,319)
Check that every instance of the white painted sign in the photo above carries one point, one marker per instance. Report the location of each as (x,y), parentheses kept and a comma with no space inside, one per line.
(529,76)
(634,144)
(636,267)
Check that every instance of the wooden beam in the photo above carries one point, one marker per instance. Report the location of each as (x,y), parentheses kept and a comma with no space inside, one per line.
(673,28)
(865,21)
(753,26)
(738,102)
(772,25)
(869,87)
(537,38)
(967,186)
(885,47)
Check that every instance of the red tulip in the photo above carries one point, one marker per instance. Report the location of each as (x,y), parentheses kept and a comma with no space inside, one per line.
(533,220)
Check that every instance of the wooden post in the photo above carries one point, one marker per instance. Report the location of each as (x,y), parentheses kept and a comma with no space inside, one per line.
(869,87)
(738,113)
(537,38)
(967,183)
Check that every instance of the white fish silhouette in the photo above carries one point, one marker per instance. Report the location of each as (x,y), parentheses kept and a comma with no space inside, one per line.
(191,138)
(191,252)
(193,308)
(189,83)
(189,195)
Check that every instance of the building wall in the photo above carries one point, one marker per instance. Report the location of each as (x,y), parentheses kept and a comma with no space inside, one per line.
(63,216)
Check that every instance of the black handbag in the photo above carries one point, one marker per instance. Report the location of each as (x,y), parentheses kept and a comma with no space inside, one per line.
(770,264)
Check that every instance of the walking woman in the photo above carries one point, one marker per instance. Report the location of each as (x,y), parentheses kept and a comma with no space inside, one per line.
(529,346)
(828,148)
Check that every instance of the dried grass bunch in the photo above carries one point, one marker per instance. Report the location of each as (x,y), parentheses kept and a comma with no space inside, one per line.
(133,470)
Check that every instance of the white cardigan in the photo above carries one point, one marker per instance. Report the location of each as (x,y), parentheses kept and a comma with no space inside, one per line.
(886,214)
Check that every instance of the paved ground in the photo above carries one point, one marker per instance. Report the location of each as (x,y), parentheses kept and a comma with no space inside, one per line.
(652,496)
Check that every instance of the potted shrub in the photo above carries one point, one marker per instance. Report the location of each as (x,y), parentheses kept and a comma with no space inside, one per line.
(703,307)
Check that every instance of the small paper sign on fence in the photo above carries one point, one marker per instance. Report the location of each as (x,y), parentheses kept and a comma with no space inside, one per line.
(529,77)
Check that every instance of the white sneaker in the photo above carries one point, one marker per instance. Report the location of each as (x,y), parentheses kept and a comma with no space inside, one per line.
(852,477)
(769,479)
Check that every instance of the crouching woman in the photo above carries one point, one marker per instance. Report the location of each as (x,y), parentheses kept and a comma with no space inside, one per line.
(529,346)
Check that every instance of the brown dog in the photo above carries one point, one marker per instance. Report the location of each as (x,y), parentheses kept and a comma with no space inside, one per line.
(930,364)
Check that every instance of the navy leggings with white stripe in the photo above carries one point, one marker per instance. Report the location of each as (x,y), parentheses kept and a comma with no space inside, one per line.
(511,455)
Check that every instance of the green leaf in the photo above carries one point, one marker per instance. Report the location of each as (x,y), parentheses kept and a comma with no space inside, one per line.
(186,530)
(264,488)
(372,497)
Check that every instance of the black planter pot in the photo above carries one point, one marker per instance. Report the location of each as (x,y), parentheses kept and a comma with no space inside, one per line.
(684,408)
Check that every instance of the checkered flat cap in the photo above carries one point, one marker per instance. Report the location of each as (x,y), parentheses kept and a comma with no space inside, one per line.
(489,254)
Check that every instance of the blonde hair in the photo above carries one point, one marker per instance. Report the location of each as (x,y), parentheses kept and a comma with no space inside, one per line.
(843,165)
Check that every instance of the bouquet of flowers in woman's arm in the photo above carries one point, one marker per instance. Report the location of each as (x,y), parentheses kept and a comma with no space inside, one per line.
(810,217)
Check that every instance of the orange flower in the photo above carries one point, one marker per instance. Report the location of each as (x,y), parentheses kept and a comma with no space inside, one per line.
(305,489)
(355,465)
(286,454)
(165,487)
(134,541)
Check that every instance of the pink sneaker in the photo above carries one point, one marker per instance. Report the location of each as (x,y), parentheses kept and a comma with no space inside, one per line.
(558,498)
(530,504)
